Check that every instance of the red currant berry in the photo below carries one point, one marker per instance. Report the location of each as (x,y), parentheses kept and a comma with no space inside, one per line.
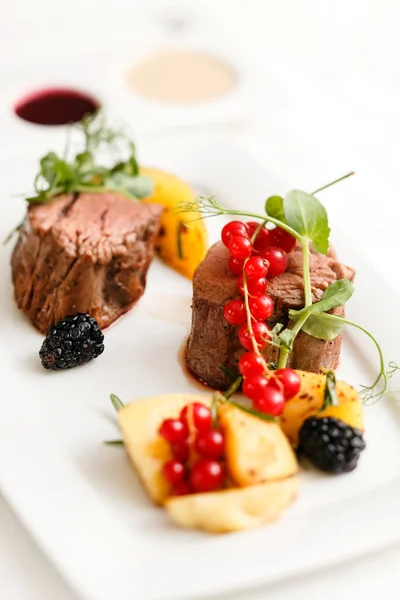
(255,268)
(254,386)
(255,287)
(201,416)
(261,307)
(240,246)
(181,450)
(251,364)
(210,444)
(173,471)
(262,240)
(278,261)
(236,265)
(206,475)
(260,332)
(235,312)
(245,338)
(173,430)
(281,238)
(271,402)
(290,381)
(232,228)
(181,489)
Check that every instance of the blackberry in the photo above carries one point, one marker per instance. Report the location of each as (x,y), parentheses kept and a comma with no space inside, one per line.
(73,341)
(330,444)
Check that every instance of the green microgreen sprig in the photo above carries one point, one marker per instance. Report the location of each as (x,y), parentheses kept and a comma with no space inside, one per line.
(77,172)
(82,171)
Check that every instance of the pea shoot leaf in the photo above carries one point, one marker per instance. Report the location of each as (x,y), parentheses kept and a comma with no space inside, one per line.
(322,326)
(335,295)
(306,215)
(274,208)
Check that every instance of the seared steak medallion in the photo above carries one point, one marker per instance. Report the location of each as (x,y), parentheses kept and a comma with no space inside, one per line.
(86,253)
(214,344)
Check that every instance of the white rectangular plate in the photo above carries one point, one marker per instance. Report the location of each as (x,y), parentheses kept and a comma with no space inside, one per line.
(83,502)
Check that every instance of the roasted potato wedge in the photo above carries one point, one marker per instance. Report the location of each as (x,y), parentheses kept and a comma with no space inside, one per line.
(256,450)
(310,400)
(233,509)
(139,422)
(183,241)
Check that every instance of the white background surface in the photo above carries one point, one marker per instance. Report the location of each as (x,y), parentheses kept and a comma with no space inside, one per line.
(334,107)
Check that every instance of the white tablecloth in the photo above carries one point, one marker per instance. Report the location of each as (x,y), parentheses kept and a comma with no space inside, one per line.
(336,109)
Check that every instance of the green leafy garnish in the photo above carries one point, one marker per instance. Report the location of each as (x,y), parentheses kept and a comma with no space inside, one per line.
(116,402)
(82,172)
(274,208)
(330,395)
(335,295)
(321,326)
(306,215)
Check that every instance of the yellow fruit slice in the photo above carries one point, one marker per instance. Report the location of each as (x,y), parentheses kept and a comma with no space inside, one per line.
(234,509)
(310,400)
(256,450)
(183,241)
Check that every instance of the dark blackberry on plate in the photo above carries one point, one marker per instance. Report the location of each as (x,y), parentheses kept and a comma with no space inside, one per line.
(330,444)
(73,341)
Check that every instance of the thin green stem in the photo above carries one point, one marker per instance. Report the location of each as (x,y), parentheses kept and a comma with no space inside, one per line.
(382,373)
(332,183)
(284,353)
(306,272)
(277,222)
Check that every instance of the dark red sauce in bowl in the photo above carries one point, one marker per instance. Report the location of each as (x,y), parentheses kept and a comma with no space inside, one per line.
(55,106)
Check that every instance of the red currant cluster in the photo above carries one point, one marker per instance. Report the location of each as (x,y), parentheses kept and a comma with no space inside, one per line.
(197,450)
(258,254)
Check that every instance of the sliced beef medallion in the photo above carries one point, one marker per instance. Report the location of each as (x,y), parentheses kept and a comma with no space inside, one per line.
(84,253)
(213,344)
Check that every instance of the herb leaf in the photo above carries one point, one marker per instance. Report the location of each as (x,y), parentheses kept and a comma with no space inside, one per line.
(252,411)
(116,402)
(330,395)
(274,208)
(114,442)
(335,295)
(323,326)
(306,215)
(138,186)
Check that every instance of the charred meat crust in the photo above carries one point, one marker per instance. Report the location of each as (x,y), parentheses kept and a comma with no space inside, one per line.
(88,253)
(213,344)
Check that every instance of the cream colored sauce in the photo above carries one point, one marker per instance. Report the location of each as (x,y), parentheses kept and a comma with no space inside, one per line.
(179,77)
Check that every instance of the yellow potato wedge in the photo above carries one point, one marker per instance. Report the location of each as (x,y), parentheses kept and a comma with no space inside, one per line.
(256,450)
(139,422)
(233,509)
(310,400)
(183,241)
